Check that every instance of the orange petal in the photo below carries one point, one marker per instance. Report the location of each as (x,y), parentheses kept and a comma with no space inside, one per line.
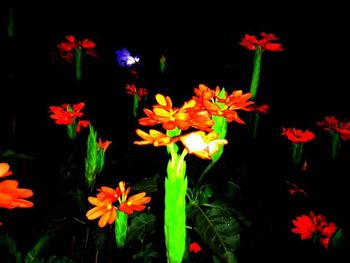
(136,197)
(103,220)
(113,216)
(94,201)
(96,212)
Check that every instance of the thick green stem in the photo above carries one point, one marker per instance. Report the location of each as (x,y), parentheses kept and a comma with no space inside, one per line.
(256,72)
(78,63)
(175,208)
(121,228)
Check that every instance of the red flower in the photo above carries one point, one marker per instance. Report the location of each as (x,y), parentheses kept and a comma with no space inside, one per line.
(332,124)
(82,123)
(132,90)
(296,189)
(262,109)
(67,49)
(304,226)
(103,145)
(195,248)
(67,115)
(298,136)
(307,225)
(251,42)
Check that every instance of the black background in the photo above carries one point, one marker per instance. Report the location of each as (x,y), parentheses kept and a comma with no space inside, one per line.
(302,84)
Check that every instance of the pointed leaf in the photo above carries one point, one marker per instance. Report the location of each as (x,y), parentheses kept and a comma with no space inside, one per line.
(32,255)
(148,185)
(140,226)
(14,155)
(336,239)
(220,231)
(147,254)
(6,241)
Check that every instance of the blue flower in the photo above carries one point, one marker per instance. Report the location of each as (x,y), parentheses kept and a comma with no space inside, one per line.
(125,59)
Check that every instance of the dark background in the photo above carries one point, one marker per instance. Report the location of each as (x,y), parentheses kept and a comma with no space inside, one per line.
(302,84)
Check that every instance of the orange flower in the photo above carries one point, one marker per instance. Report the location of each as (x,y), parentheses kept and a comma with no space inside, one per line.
(134,203)
(229,104)
(154,137)
(189,115)
(108,193)
(4,170)
(103,209)
(12,197)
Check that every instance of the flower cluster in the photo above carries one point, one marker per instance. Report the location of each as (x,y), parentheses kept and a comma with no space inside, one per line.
(104,203)
(311,224)
(196,113)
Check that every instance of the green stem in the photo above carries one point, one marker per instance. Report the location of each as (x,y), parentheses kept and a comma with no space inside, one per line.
(256,123)
(206,170)
(335,145)
(297,152)
(10,25)
(256,72)
(135,105)
(78,63)
(71,130)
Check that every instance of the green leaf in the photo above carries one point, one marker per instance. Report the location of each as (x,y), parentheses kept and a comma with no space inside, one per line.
(32,255)
(54,259)
(205,194)
(336,239)
(99,239)
(14,155)
(140,226)
(220,231)
(148,185)
(232,188)
(148,254)
(6,241)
